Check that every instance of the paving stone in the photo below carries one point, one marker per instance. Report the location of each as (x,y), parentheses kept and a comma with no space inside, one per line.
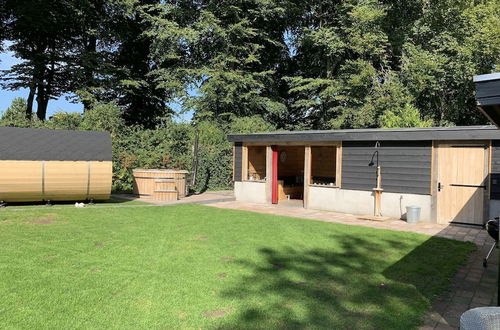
(481,300)
(440,307)
(427,327)
(452,319)
(457,309)
(466,284)
(441,326)
(461,300)
(483,294)
(429,322)
(464,293)
(475,272)
(473,278)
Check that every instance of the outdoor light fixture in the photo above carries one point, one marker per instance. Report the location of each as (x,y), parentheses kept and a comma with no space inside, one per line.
(371,163)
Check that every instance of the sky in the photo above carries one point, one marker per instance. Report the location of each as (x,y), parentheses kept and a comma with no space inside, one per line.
(6,96)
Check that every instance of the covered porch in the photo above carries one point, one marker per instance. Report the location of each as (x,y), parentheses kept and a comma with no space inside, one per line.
(286,173)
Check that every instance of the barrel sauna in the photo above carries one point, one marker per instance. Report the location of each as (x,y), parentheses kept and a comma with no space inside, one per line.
(162,185)
(54,165)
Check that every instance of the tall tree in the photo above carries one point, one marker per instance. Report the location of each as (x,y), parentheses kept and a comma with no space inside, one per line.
(41,35)
(450,42)
(142,100)
(346,51)
(229,52)
(342,50)
(295,63)
(92,49)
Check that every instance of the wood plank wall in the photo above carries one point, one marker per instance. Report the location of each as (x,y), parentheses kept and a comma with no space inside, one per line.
(31,181)
(406,166)
(495,170)
(66,179)
(257,162)
(20,181)
(146,182)
(323,161)
(238,161)
(101,177)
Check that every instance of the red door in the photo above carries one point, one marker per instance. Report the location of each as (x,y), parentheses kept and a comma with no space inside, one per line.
(274,179)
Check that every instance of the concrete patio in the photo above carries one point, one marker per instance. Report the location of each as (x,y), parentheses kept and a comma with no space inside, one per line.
(472,286)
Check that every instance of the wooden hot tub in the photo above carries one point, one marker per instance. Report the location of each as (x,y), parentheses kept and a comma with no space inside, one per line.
(163,185)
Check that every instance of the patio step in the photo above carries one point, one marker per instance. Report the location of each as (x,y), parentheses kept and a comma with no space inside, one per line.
(166,195)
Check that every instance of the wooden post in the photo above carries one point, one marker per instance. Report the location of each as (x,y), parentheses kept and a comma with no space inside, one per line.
(195,159)
(307,174)
(274,178)
(378,194)
(269,174)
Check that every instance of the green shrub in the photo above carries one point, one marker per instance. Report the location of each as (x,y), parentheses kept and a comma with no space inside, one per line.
(15,115)
(103,117)
(253,124)
(165,147)
(214,157)
(64,120)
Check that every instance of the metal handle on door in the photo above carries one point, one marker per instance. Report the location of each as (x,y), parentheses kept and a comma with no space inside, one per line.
(467,185)
(440,186)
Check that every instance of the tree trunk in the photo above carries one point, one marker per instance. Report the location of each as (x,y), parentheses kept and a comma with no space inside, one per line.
(45,91)
(36,82)
(29,104)
(41,111)
(89,68)
(42,102)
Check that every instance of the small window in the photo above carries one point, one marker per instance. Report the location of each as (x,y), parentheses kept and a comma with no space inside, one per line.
(256,163)
(324,166)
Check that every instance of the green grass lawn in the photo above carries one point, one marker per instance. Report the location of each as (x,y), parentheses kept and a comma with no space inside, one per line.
(193,266)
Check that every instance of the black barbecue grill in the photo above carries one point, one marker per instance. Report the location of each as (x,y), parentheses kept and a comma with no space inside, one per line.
(492,229)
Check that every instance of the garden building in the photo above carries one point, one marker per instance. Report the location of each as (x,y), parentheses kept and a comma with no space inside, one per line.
(54,165)
(451,173)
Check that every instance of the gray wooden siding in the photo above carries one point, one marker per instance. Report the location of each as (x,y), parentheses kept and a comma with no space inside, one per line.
(238,161)
(495,170)
(406,166)
(487,89)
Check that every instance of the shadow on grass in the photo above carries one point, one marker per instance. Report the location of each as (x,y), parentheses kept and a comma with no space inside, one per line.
(360,283)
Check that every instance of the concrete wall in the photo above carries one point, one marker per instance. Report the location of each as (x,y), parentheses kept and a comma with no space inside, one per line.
(362,202)
(254,192)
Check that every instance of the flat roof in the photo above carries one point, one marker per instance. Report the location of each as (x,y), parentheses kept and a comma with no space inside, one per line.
(487,77)
(488,96)
(487,132)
